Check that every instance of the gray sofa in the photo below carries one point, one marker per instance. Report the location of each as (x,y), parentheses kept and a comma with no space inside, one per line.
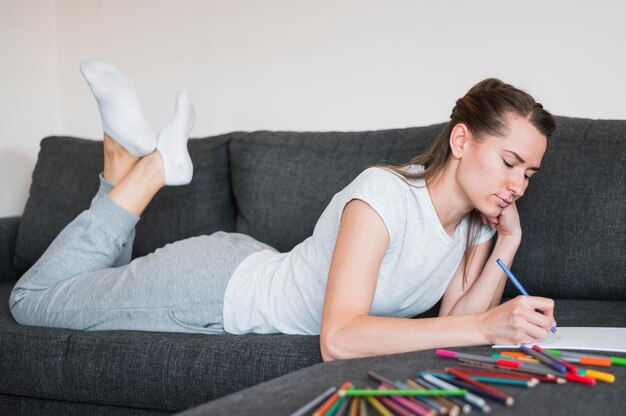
(273,186)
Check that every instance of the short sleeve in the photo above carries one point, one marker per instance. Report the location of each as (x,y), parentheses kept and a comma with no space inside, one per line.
(384,192)
(486,234)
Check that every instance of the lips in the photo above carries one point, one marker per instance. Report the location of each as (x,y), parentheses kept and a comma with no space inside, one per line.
(503,203)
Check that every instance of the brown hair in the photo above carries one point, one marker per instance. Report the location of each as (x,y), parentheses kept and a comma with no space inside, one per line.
(483,110)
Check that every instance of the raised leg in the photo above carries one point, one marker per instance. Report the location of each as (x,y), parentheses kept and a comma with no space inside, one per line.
(117,160)
(137,188)
(79,268)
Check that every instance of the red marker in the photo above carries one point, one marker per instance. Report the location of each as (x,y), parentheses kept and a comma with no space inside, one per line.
(580,379)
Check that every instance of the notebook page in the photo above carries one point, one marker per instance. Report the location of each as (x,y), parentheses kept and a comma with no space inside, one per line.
(583,338)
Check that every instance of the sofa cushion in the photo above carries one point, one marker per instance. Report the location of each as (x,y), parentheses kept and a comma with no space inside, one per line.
(572,215)
(141,369)
(65,179)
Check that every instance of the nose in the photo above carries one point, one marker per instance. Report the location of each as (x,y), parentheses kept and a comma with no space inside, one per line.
(516,184)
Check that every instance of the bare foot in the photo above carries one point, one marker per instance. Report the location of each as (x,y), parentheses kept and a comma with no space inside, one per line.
(117,160)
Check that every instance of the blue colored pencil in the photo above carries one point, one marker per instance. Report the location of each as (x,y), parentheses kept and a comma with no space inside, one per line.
(518,285)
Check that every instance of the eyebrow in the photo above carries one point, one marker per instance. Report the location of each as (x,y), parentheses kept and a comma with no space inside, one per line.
(536,169)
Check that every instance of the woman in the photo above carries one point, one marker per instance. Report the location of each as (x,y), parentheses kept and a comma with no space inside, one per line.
(388,246)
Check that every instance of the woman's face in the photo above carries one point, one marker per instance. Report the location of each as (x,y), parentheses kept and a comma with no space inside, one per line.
(495,171)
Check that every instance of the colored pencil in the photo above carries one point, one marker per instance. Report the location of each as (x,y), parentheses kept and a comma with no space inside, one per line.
(514,364)
(507,357)
(469,397)
(595,362)
(442,392)
(502,375)
(428,403)
(505,398)
(539,368)
(541,375)
(570,367)
(472,389)
(324,408)
(580,379)
(340,407)
(519,287)
(363,406)
(598,375)
(514,354)
(552,363)
(453,405)
(486,380)
(583,359)
(396,409)
(354,406)
(406,403)
(307,408)
(378,406)
(503,362)
(459,355)
(614,360)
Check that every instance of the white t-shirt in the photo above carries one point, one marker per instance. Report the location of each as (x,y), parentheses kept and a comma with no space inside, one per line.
(273,292)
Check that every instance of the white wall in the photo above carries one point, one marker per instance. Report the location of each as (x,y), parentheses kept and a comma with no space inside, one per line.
(298,65)
(29,94)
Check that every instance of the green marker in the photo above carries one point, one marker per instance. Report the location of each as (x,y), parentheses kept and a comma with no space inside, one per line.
(614,360)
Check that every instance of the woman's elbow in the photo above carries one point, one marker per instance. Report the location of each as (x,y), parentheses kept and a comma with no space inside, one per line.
(330,347)
(326,349)
(326,355)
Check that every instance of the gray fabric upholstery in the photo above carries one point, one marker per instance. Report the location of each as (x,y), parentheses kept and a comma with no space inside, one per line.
(65,179)
(574,214)
(282,181)
(28,406)
(8,234)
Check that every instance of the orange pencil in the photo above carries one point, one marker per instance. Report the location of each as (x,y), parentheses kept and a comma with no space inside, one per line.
(323,409)
(354,409)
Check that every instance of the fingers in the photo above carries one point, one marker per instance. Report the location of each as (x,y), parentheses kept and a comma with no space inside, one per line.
(487,220)
(545,305)
(532,318)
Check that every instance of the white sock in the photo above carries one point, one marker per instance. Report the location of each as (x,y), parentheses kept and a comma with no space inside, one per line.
(172,142)
(120,111)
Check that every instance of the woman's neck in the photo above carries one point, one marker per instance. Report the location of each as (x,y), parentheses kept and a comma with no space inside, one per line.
(449,201)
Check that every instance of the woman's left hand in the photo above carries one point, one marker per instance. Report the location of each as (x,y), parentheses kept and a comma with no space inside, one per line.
(507,223)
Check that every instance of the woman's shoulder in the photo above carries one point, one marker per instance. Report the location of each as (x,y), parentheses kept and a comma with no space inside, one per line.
(391,176)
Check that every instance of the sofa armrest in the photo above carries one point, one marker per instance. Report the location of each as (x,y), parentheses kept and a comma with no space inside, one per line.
(8,235)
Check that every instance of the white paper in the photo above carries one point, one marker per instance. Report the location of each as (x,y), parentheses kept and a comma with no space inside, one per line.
(583,338)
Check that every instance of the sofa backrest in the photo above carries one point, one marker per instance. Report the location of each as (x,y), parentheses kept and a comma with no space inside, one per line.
(65,179)
(283,181)
(573,213)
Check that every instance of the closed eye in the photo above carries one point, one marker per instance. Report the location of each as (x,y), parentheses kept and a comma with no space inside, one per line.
(508,165)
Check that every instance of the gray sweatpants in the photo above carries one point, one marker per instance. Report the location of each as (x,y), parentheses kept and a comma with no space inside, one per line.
(85,279)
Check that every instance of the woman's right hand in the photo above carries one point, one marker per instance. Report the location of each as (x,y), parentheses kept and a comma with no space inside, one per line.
(518,322)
